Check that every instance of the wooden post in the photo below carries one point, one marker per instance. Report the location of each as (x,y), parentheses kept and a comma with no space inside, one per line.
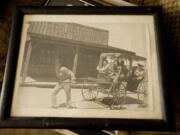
(26,62)
(130,63)
(75,60)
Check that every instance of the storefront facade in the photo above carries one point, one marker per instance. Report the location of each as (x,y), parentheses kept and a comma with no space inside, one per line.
(75,46)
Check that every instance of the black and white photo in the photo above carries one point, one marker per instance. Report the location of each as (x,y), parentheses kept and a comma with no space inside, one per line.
(103,68)
(82,66)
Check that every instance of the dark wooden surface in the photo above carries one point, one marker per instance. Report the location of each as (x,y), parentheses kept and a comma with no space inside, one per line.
(5,27)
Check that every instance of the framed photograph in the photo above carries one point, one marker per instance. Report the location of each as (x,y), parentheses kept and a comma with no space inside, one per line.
(86,67)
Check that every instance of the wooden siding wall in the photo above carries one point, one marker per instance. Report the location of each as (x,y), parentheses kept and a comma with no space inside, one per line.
(44,58)
(71,31)
(88,61)
(42,61)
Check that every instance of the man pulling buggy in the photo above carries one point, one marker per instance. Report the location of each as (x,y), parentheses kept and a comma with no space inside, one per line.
(65,77)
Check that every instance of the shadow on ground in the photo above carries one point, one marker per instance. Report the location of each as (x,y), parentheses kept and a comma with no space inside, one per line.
(119,101)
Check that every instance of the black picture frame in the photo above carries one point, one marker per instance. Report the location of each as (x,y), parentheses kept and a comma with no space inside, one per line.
(6,121)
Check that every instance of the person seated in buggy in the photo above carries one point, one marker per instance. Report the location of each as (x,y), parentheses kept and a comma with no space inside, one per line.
(120,74)
(136,76)
(120,69)
(104,67)
(112,69)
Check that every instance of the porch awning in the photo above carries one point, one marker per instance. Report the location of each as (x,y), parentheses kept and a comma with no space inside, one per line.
(71,31)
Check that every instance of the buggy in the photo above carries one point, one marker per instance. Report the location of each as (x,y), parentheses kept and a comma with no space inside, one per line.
(113,82)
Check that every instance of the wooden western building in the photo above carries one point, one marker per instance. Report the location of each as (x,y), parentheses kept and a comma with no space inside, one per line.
(75,46)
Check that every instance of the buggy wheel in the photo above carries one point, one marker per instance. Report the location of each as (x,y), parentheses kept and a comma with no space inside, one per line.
(118,97)
(90,94)
(142,92)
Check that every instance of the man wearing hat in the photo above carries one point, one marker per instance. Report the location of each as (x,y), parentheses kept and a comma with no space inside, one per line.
(139,72)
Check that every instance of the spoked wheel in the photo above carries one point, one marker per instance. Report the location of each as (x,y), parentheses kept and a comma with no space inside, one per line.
(142,92)
(118,97)
(90,94)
